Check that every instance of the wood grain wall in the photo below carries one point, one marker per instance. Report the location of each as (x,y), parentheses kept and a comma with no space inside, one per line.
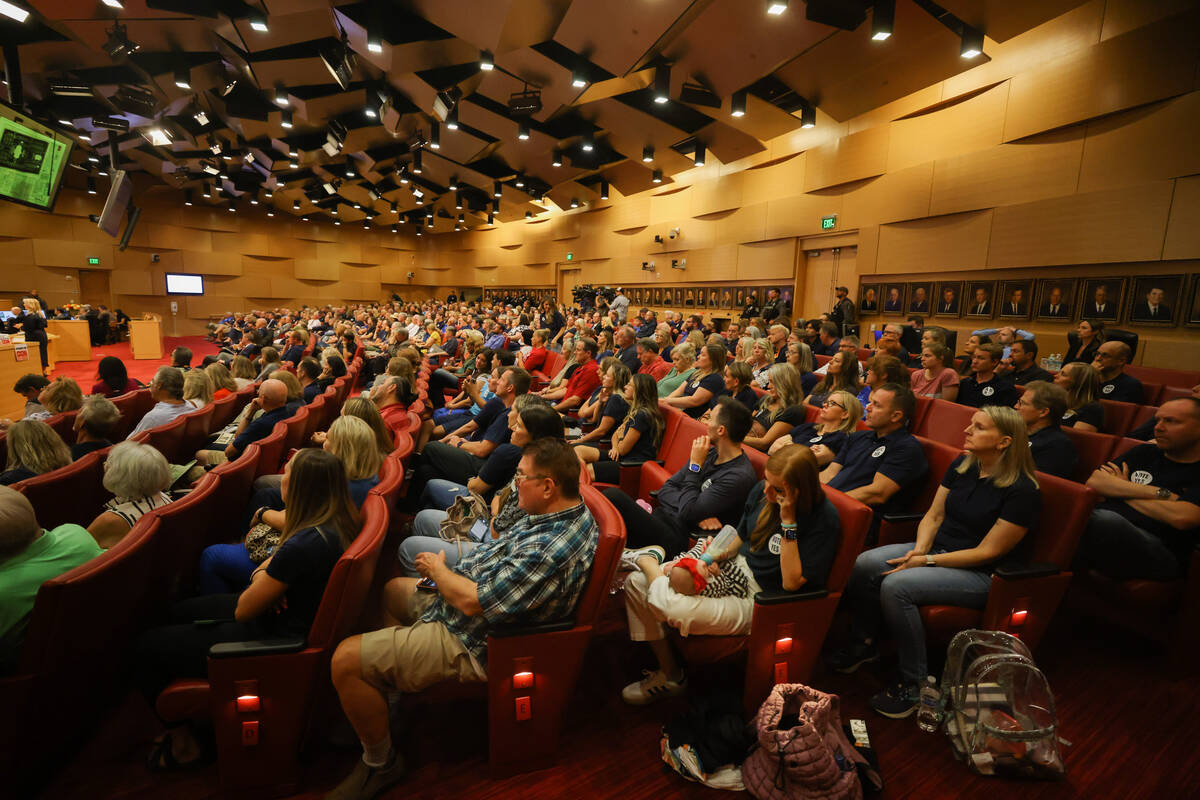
(1073,151)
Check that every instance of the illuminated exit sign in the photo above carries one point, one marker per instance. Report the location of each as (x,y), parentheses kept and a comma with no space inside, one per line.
(93,261)
(829,223)
(570,256)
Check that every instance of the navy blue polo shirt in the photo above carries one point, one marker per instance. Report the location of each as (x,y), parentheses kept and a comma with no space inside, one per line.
(974,505)
(807,434)
(1123,388)
(996,392)
(260,428)
(897,456)
(1053,452)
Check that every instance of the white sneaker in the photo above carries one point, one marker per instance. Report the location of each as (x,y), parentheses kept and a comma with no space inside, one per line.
(655,686)
(629,558)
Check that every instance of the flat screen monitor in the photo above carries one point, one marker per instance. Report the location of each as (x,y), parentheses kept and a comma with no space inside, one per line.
(179,283)
(33,158)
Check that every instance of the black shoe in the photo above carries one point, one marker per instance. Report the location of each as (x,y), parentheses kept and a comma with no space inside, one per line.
(898,700)
(848,659)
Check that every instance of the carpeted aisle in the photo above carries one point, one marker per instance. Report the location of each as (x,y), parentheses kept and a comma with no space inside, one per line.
(84,372)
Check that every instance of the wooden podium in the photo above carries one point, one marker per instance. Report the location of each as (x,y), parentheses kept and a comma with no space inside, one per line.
(72,342)
(145,338)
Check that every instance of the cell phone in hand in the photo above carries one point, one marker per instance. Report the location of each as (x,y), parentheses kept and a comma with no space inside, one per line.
(427,584)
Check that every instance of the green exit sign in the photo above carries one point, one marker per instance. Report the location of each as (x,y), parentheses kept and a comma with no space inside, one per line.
(570,256)
(93,261)
(829,223)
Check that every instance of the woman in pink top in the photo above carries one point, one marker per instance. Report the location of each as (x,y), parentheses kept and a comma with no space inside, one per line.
(936,379)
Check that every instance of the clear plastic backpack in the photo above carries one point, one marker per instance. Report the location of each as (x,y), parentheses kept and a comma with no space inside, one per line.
(1000,713)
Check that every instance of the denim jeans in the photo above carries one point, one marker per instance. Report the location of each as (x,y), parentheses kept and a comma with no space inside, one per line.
(439,381)
(224,569)
(896,599)
(416,544)
(1118,548)
(440,493)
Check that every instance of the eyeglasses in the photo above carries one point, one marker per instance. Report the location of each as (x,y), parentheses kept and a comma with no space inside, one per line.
(521,477)
(835,404)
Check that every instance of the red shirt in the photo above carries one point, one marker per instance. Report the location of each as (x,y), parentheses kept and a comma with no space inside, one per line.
(583,381)
(536,359)
(395,417)
(656,369)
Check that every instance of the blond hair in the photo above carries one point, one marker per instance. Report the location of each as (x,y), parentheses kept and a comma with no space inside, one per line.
(197,386)
(352,440)
(34,445)
(1015,460)
(62,395)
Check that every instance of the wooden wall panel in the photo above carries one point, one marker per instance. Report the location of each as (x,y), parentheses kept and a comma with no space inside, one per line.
(252,244)
(1145,144)
(64,253)
(670,206)
(973,124)
(954,241)
(633,212)
(317,269)
(868,249)
(799,215)
(1125,224)
(1040,167)
(779,179)
(203,307)
(903,194)
(851,158)
(1148,64)
(721,194)
(127,281)
(566,226)
(1183,225)
(774,260)
(211,263)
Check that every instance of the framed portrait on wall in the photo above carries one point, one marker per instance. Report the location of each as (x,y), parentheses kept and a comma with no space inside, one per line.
(701,298)
(947,299)
(714,297)
(739,296)
(1102,298)
(1056,299)
(1014,298)
(893,298)
(676,296)
(727,297)
(919,297)
(868,298)
(1192,317)
(752,296)
(689,297)
(980,299)
(657,296)
(1155,300)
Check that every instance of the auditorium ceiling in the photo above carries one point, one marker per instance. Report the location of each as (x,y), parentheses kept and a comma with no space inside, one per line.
(370,111)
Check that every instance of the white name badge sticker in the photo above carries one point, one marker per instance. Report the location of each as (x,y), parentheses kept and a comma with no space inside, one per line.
(878,451)
(1141,477)
(988,391)
(776,544)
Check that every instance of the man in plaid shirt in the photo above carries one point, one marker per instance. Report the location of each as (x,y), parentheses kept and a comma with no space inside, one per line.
(535,573)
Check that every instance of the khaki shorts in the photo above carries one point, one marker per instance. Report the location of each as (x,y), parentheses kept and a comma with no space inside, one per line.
(412,658)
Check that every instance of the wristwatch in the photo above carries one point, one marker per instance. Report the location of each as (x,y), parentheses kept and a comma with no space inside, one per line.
(929,562)
(1164,493)
(693,466)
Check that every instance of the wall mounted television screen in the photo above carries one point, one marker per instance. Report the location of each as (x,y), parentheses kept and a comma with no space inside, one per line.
(179,283)
(33,158)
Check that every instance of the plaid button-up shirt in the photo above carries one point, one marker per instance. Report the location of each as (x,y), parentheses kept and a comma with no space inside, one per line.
(534,573)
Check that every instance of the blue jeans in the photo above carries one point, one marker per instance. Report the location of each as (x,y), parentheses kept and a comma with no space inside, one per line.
(451,419)
(440,493)
(1121,550)
(224,569)
(897,599)
(426,540)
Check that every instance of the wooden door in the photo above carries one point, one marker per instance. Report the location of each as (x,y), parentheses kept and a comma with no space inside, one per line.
(93,287)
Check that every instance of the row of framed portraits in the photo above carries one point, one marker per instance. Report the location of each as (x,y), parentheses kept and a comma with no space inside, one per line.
(1162,300)
(538,295)
(711,297)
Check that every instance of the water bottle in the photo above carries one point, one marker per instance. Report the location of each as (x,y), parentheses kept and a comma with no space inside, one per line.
(719,544)
(929,711)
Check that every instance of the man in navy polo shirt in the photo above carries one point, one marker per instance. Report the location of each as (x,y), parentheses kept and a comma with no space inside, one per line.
(875,465)
(1147,525)
(1111,359)
(272,399)
(985,387)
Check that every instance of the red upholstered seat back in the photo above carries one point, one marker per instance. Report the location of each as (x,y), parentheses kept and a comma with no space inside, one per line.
(404,446)
(233,489)
(1123,444)
(195,431)
(74,493)
(671,419)
(758,460)
(346,590)
(224,410)
(186,527)
(391,477)
(1118,416)
(1094,449)
(946,422)
(924,406)
(270,450)
(133,406)
(1066,506)
(855,518)
(676,450)
(167,439)
(1180,378)
(316,414)
(293,437)
(608,552)
(63,424)
(939,456)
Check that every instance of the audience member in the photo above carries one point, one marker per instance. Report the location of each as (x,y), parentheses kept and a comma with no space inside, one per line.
(989,499)
(1111,358)
(779,411)
(112,378)
(534,574)
(788,535)
(166,389)
(636,438)
(1147,525)
(882,369)
(936,377)
(243,372)
(694,396)
(138,477)
(1023,363)
(875,465)
(704,494)
(1090,337)
(650,362)
(826,437)
(1042,406)
(607,405)
(33,449)
(583,380)
(841,375)
(94,425)
(984,387)
(222,380)
(1081,381)
(197,388)
(30,556)
(272,401)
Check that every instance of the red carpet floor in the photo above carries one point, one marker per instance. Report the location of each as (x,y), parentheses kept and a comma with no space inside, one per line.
(84,372)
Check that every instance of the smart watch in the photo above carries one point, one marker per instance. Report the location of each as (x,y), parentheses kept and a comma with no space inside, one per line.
(694,467)
(929,562)
(1164,493)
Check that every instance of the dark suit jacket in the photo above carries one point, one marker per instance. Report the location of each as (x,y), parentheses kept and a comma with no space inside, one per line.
(919,308)
(868,306)
(1142,311)
(890,306)
(1021,309)
(1093,310)
(948,308)
(1064,310)
(986,311)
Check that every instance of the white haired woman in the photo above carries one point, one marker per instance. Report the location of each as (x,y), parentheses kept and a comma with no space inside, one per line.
(138,476)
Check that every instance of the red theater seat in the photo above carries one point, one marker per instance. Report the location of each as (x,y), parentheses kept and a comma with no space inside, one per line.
(312,420)
(295,425)
(74,493)
(674,454)
(788,628)
(224,410)
(195,432)
(133,406)
(167,439)
(946,422)
(289,678)
(1094,449)
(1022,600)
(902,526)
(270,450)
(1118,416)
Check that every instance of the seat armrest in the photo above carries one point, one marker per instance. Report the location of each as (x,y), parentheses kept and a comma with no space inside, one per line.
(1024,572)
(780,598)
(257,647)
(902,517)
(511,631)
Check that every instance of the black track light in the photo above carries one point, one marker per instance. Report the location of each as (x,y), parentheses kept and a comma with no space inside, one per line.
(737,104)
(374,43)
(882,18)
(187,197)
(416,163)
(258,22)
(453,183)
(808,116)
(588,144)
(91,185)
(657,177)
(523,131)
(458,201)
(497,189)
(491,219)
(435,135)
(556,158)
(647,154)
(520,181)
(972,42)
(182,77)
(452,119)
(603,190)
(662,84)
(486,60)
(699,157)
(579,78)
(205,191)
(295,205)
(574,202)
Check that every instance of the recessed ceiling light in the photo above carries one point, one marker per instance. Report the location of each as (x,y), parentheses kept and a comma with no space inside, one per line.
(113,3)
(293,164)
(158,137)
(737,104)
(776,7)
(371,112)
(253,201)
(258,22)
(374,43)
(647,154)
(486,60)
(662,83)
(200,117)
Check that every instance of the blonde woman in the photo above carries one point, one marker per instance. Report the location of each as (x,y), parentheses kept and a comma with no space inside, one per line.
(780,410)
(762,357)
(32,323)
(138,476)
(243,372)
(988,501)
(695,395)
(61,395)
(836,420)
(683,366)
(197,388)
(637,437)
(222,380)
(295,392)
(1082,382)
(33,449)
(608,405)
